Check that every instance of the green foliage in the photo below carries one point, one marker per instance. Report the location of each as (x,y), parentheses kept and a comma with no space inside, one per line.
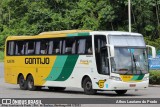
(154,77)
(30,17)
(1,56)
(155,43)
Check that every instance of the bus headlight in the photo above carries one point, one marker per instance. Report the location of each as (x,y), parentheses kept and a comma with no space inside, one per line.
(146,78)
(115,78)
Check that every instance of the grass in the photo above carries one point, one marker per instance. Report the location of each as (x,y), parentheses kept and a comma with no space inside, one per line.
(154,77)
(1,56)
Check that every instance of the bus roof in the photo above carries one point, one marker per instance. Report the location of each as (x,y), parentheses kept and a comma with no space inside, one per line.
(50,34)
(116,33)
(64,33)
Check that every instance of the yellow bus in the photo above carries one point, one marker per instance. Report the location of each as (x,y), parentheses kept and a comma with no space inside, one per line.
(92,60)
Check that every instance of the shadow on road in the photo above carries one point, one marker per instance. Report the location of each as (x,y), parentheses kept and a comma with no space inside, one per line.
(99,93)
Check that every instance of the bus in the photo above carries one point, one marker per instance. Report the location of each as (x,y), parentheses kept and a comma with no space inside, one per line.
(92,60)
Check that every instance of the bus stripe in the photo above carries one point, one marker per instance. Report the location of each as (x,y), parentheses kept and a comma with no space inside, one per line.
(57,68)
(135,77)
(68,68)
(140,77)
(79,34)
(128,78)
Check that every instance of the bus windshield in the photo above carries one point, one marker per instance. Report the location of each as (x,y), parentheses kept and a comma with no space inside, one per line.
(130,61)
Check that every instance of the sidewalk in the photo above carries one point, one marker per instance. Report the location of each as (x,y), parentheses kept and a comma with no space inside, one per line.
(151,85)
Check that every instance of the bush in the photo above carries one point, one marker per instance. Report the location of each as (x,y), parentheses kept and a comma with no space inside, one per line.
(154,77)
(1,56)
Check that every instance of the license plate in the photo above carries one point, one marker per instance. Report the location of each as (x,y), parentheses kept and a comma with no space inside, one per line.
(132,85)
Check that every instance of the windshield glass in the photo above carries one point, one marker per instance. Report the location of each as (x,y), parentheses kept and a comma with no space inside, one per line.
(130,61)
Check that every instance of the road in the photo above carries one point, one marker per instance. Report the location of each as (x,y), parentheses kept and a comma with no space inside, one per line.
(13,91)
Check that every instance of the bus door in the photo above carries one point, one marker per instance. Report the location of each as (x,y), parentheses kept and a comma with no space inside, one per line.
(101,54)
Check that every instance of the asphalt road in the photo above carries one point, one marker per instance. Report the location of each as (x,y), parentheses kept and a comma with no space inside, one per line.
(13,91)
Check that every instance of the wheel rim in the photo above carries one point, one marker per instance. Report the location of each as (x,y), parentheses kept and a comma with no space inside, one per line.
(88,85)
(30,83)
(21,81)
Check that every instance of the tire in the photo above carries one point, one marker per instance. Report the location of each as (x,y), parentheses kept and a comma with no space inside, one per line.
(50,88)
(30,83)
(59,88)
(87,86)
(22,83)
(121,92)
(38,88)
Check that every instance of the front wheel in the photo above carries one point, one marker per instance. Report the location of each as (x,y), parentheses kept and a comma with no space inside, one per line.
(30,83)
(87,86)
(22,83)
(50,88)
(121,92)
(59,88)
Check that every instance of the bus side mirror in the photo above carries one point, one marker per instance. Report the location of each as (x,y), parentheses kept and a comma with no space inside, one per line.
(153,50)
(111,47)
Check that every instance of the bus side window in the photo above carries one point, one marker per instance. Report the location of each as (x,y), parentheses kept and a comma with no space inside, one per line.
(10,47)
(30,48)
(22,50)
(19,48)
(84,45)
(69,46)
(44,47)
(57,45)
(38,43)
(81,46)
(74,47)
(89,46)
(50,47)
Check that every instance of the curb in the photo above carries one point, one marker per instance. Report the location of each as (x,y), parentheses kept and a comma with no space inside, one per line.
(150,85)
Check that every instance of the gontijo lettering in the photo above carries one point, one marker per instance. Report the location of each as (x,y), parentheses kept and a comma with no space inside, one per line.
(37,60)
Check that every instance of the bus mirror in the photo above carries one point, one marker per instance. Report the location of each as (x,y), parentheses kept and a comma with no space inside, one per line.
(111,47)
(153,50)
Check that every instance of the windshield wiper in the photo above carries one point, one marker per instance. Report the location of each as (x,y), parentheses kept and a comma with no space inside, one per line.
(134,60)
(136,63)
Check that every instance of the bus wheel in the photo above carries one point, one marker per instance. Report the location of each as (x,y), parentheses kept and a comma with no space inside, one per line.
(22,83)
(50,88)
(38,88)
(59,88)
(30,83)
(87,86)
(121,92)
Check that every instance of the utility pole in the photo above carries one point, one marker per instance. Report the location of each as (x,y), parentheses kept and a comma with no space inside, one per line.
(129,15)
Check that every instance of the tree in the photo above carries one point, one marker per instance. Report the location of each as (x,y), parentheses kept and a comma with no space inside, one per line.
(30,17)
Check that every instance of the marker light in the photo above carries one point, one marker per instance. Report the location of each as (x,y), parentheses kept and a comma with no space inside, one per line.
(146,78)
(115,78)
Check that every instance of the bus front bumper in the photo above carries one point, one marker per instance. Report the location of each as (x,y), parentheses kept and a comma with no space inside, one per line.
(120,85)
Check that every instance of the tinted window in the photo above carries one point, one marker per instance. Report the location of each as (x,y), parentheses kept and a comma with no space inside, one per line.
(84,45)
(10,47)
(55,46)
(19,47)
(44,47)
(30,48)
(69,46)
